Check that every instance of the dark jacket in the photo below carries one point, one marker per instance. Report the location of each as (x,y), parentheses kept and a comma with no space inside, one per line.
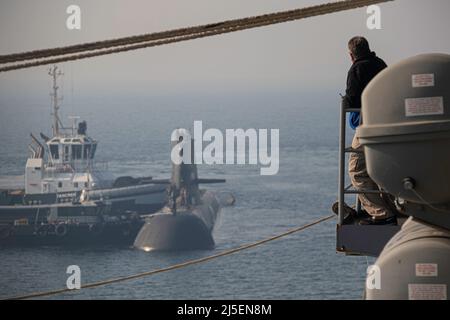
(362,71)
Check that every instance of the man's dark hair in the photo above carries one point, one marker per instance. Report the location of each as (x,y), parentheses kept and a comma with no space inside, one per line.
(359,47)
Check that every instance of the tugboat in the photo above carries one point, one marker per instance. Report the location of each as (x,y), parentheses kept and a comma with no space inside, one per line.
(67,196)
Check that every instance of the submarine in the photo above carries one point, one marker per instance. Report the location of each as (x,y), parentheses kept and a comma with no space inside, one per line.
(188,220)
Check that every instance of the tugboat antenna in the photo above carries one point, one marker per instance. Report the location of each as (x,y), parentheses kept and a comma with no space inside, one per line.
(54,73)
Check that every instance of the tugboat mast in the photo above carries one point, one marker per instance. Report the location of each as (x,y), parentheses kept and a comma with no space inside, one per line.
(54,73)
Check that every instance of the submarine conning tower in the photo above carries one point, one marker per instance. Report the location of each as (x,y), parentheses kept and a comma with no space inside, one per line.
(405,132)
(184,188)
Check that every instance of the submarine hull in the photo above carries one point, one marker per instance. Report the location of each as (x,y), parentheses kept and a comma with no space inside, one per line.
(188,229)
(184,231)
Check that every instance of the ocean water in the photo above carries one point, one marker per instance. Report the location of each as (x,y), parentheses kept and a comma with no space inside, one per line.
(134,134)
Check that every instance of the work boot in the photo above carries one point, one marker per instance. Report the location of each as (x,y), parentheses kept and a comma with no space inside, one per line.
(372,221)
(349,213)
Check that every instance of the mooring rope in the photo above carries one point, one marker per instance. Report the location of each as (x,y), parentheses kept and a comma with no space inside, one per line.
(99,48)
(176,266)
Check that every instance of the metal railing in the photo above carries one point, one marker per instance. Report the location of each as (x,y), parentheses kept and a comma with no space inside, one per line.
(53,170)
(343,150)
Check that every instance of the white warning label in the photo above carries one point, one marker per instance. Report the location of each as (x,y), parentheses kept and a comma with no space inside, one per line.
(426,270)
(422,291)
(415,107)
(423,80)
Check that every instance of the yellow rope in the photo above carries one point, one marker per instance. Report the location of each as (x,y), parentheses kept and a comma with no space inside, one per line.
(63,54)
(176,266)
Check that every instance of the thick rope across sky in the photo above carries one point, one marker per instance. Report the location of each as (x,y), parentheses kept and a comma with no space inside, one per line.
(93,49)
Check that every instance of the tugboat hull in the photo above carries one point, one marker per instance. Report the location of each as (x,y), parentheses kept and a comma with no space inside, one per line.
(89,223)
(119,233)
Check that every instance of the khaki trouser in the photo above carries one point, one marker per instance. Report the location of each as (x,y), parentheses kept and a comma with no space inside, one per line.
(371,202)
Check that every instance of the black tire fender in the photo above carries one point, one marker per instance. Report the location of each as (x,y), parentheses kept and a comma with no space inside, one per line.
(61,230)
(5,232)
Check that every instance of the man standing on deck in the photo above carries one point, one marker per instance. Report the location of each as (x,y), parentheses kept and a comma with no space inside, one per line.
(366,65)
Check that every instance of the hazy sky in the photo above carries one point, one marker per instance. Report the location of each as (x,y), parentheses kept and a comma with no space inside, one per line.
(302,56)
